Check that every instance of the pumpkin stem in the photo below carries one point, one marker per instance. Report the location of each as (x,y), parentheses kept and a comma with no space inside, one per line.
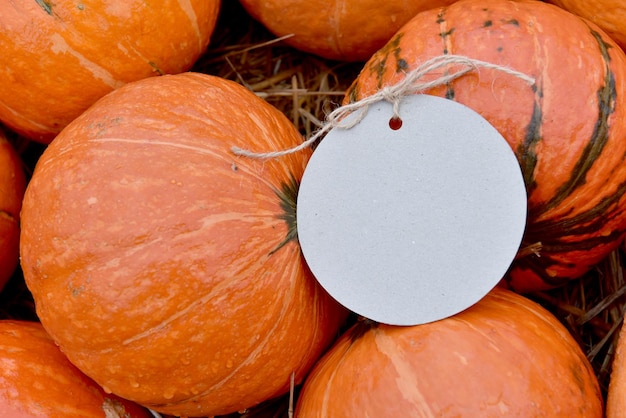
(288,195)
(361,326)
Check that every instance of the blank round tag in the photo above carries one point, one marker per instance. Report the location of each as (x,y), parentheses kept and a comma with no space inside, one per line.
(416,224)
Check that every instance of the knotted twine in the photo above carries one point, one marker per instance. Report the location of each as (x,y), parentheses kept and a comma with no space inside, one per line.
(411,84)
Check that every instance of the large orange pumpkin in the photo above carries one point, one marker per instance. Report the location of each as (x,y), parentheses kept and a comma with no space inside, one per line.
(616,396)
(60,56)
(12,186)
(347,30)
(568,130)
(504,356)
(166,267)
(37,380)
(610,15)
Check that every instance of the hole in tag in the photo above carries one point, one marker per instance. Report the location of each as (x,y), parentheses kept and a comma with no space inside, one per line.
(395,123)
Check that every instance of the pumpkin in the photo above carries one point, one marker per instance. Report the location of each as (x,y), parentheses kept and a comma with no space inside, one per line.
(12,186)
(568,129)
(608,14)
(504,356)
(37,380)
(346,30)
(616,395)
(64,55)
(166,267)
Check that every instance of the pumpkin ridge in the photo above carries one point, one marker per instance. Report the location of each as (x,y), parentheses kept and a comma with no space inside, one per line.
(406,382)
(318,296)
(542,315)
(607,94)
(336,33)
(258,348)
(191,306)
(522,355)
(187,8)
(557,330)
(38,125)
(100,73)
(172,318)
(343,355)
(146,141)
(200,150)
(536,311)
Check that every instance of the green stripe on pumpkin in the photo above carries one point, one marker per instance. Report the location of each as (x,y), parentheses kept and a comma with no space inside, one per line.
(378,67)
(591,222)
(584,223)
(353,92)
(543,262)
(444,34)
(599,138)
(526,151)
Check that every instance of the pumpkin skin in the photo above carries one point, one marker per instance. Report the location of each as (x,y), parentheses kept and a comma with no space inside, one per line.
(605,13)
(346,30)
(12,186)
(37,380)
(65,54)
(504,356)
(568,130)
(616,396)
(166,267)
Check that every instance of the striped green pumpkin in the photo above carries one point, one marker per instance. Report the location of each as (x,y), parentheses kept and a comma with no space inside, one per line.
(568,130)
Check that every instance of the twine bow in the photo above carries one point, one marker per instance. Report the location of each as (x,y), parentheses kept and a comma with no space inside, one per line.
(411,84)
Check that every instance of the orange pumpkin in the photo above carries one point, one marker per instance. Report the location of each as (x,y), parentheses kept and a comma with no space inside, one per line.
(347,30)
(608,14)
(616,396)
(504,356)
(166,267)
(37,380)
(568,130)
(12,186)
(61,56)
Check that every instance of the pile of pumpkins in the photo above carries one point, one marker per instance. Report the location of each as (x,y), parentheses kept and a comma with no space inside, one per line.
(166,270)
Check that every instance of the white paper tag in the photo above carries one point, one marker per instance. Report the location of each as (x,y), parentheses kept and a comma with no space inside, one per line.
(416,224)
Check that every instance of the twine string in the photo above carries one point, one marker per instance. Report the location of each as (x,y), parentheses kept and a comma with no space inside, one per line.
(411,84)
